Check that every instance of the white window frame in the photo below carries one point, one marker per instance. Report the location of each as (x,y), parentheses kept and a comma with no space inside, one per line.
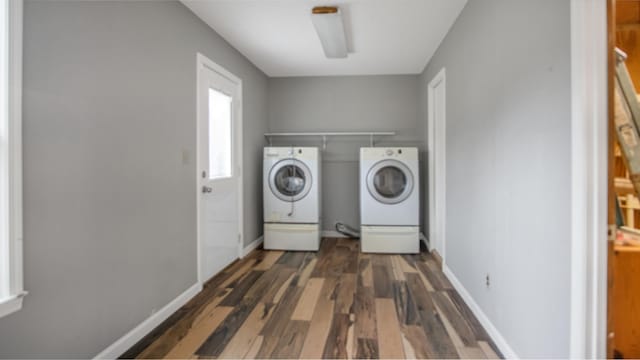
(14,17)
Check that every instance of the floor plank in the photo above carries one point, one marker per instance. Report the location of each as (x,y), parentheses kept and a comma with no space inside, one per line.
(280,320)
(478,331)
(270,258)
(397,268)
(407,265)
(488,350)
(301,276)
(324,257)
(219,339)
(382,282)
(404,302)
(241,289)
(188,345)
(351,338)
(255,347)
(306,272)
(389,338)
(237,273)
(291,340)
(336,345)
(438,341)
(344,293)
(367,349)
(365,277)
(307,304)
(248,332)
(292,259)
(417,340)
(365,313)
(472,353)
(433,279)
(194,310)
(320,322)
(336,303)
(409,352)
(458,324)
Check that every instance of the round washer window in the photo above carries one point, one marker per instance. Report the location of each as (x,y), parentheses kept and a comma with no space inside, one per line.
(390,181)
(290,180)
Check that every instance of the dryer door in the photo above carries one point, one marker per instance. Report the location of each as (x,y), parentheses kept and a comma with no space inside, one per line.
(390,181)
(290,180)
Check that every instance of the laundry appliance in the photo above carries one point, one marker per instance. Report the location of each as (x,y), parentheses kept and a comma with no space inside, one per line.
(292,198)
(390,200)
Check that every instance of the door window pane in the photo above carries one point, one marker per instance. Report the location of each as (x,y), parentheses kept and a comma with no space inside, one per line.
(220,135)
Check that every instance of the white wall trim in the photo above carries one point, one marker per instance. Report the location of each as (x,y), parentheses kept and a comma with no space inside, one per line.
(11,305)
(333,234)
(493,332)
(203,61)
(436,146)
(136,334)
(254,245)
(589,141)
(13,14)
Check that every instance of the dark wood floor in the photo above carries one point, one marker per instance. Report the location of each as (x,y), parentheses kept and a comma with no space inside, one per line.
(337,303)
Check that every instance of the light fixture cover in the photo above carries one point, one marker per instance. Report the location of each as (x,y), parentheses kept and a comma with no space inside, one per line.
(330,29)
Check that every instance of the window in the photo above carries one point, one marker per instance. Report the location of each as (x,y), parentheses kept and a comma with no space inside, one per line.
(11,290)
(219,135)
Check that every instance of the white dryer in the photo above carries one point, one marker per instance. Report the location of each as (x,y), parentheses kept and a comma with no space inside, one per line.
(390,200)
(292,198)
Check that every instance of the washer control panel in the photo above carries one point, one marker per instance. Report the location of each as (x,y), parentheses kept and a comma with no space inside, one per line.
(389,152)
(392,152)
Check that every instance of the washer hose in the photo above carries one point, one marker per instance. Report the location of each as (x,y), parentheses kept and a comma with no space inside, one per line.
(347,230)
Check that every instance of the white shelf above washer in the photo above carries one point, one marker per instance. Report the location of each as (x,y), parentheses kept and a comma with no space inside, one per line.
(324,135)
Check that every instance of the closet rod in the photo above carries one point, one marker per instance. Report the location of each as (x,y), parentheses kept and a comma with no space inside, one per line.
(324,135)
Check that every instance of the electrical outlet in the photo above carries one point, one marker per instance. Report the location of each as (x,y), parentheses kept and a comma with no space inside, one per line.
(488,280)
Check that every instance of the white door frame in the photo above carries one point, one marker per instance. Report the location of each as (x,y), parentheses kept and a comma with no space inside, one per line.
(204,62)
(436,146)
(589,145)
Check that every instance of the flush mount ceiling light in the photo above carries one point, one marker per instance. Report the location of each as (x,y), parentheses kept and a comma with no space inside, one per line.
(328,23)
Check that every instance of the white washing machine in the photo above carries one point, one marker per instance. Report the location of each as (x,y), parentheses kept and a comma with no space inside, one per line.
(390,200)
(292,198)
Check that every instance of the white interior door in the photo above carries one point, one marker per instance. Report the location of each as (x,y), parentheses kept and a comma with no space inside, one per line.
(219,165)
(437,162)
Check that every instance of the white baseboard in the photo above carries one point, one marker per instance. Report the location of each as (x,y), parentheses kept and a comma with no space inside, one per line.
(332,234)
(132,337)
(254,245)
(493,332)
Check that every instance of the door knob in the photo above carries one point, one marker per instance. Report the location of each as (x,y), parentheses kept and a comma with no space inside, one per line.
(206,189)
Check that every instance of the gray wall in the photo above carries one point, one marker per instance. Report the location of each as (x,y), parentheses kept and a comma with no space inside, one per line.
(109,108)
(508,166)
(352,103)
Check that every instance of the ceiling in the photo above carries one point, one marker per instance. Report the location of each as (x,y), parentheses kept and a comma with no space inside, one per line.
(384,36)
